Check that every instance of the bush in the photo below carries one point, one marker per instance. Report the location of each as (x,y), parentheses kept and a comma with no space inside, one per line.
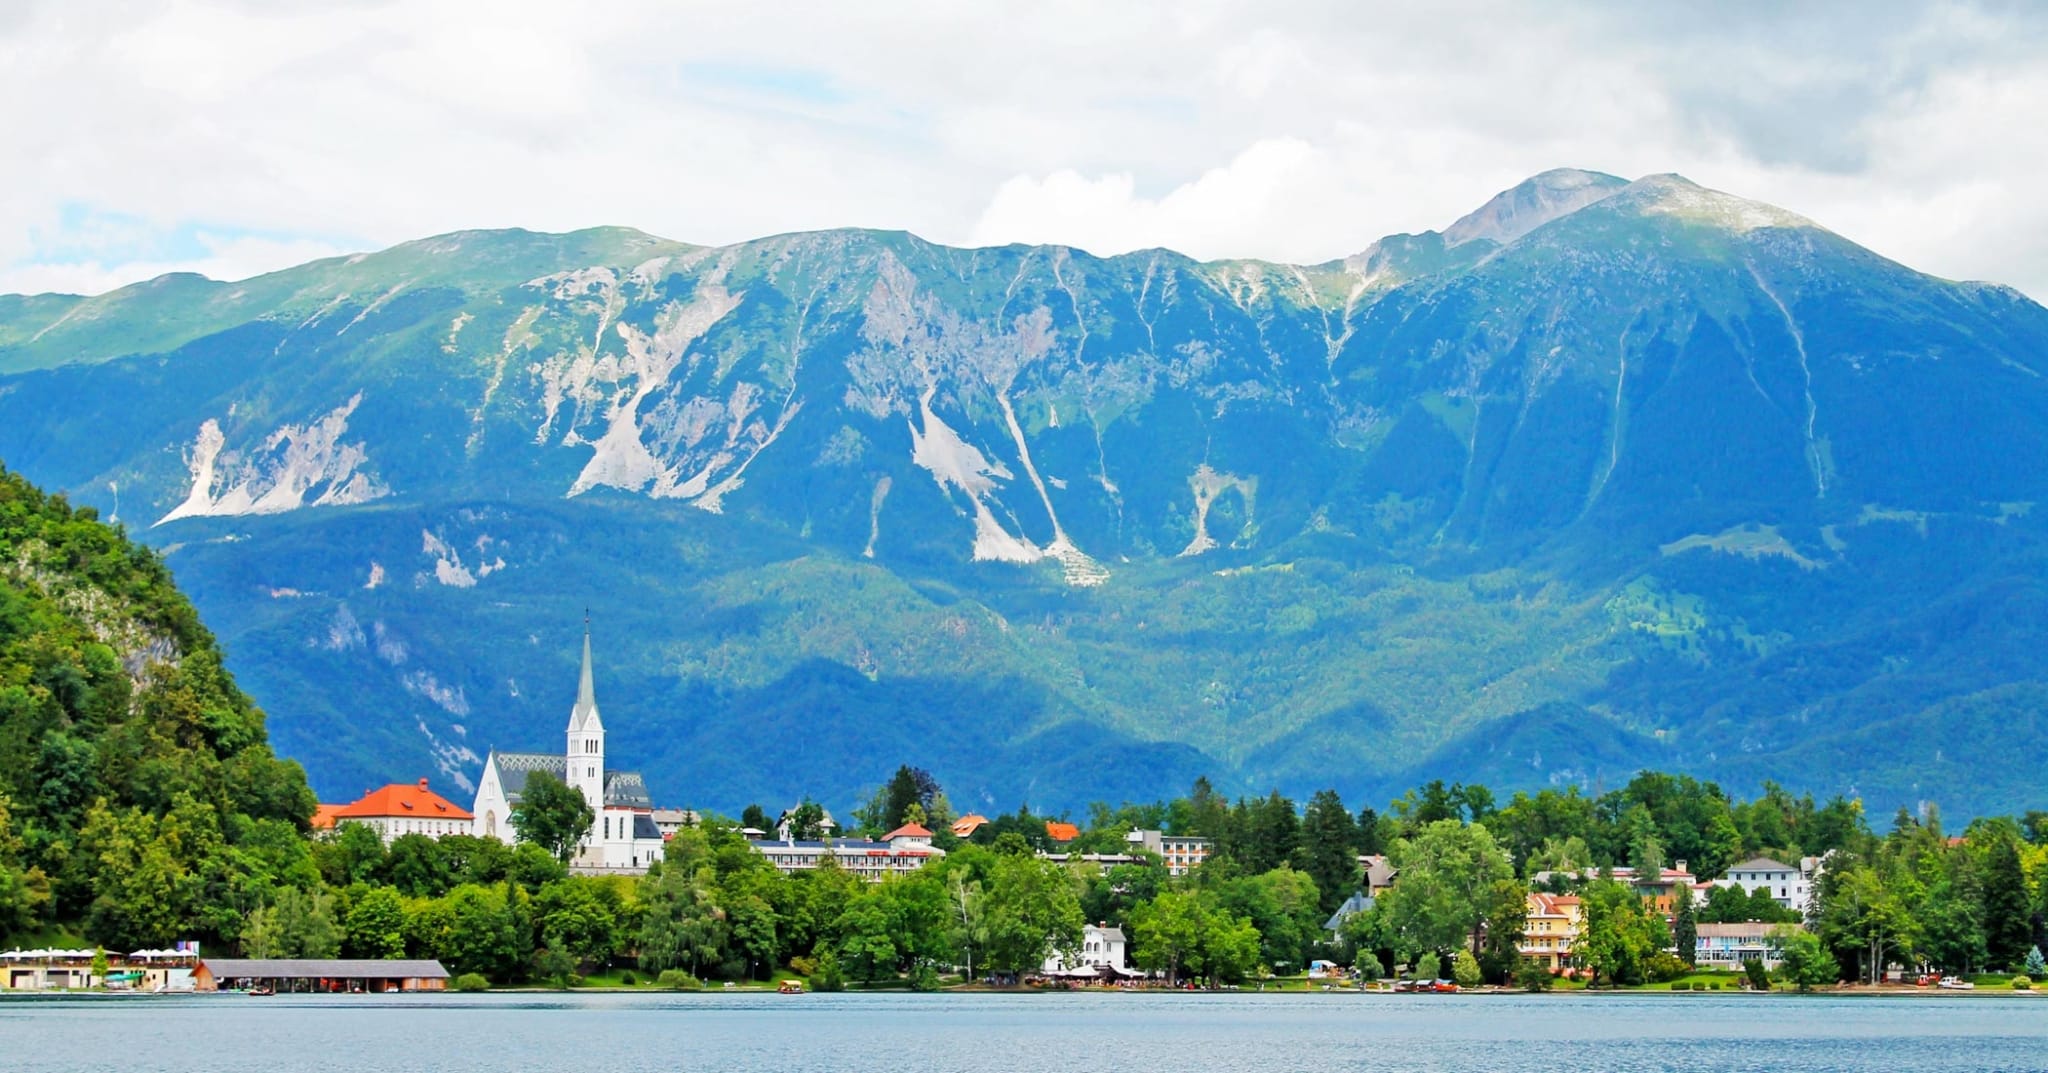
(1716,985)
(1367,967)
(1759,979)
(828,977)
(678,980)
(1465,969)
(1530,975)
(924,978)
(628,979)
(2022,982)
(470,981)
(1662,966)
(803,966)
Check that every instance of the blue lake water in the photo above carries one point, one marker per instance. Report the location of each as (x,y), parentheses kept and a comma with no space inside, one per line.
(1233,1032)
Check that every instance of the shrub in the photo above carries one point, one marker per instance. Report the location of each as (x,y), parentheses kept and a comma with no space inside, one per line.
(1681,987)
(1759,979)
(1367,967)
(628,979)
(803,966)
(1530,975)
(924,978)
(471,981)
(828,977)
(1465,969)
(2022,982)
(678,980)
(1662,966)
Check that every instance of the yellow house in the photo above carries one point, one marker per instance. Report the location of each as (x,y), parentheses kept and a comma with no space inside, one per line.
(1552,927)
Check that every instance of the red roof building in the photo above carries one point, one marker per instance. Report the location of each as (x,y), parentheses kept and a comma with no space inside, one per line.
(965,826)
(910,834)
(400,809)
(1061,832)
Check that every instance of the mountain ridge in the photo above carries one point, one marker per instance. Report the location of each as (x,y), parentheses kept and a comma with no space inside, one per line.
(1256,519)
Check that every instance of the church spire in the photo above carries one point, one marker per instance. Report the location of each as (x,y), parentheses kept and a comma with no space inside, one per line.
(584,715)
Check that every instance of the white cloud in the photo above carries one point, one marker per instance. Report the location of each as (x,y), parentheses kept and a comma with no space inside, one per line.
(1300,132)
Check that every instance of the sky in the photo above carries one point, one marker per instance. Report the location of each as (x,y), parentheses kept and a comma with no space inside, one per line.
(235,137)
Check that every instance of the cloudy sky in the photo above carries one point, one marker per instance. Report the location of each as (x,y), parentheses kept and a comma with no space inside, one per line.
(235,136)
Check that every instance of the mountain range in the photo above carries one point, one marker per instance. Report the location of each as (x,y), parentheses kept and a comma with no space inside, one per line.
(1605,474)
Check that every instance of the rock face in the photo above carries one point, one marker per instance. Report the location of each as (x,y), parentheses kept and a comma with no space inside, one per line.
(1607,473)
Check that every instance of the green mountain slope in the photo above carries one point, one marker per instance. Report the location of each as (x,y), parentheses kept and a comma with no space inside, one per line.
(138,791)
(1712,478)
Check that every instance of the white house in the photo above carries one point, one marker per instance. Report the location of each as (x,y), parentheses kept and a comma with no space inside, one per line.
(623,835)
(1789,886)
(1102,947)
(1728,946)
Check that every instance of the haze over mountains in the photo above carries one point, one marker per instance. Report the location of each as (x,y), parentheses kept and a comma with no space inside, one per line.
(1605,474)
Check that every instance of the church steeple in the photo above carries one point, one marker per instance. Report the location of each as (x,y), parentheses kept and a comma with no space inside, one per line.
(583,761)
(584,715)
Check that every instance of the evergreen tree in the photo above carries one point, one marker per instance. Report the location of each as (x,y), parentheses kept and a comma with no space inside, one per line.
(2008,931)
(1328,850)
(1685,932)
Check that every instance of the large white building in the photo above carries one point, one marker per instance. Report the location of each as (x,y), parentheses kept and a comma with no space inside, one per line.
(623,835)
(1790,886)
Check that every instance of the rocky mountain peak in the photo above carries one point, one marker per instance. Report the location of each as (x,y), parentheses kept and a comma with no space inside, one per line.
(1530,204)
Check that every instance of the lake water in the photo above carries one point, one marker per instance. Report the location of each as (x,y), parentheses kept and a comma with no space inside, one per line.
(1232,1032)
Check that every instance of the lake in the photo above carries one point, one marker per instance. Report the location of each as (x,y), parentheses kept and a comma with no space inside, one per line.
(620,1033)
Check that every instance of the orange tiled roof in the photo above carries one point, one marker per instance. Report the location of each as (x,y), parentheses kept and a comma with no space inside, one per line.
(968,824)
(323,816)
(404,800)
(1061,832)
(908,830)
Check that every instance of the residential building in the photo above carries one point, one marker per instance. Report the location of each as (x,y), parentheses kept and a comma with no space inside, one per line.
(827,826)
(1101,953)
(965,826)
(1182,853)
(623,836)
(1102,861)
(1789,885)
(1728,946)
(1665,890)
(902,851)
(1061,832)
(1551,929)
(1377,873)
(670,820)
(399,809)
(1359,902)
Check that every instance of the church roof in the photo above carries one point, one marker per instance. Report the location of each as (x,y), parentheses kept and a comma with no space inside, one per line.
(584,715)
(622,789)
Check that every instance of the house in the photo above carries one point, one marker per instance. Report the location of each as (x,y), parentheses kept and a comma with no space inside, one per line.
(785,823)
(399,809)
(1182,853)
(1727,946)
(965,826)
(1101,954)
(1061,832)
(1377,871)
(909,835)
(623,836)
(1664,890)
(1359,902)
(1551,929)
(319,975)
(1789,885)
(670,820)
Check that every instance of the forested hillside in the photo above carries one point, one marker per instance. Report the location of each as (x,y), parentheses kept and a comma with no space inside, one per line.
(139,797)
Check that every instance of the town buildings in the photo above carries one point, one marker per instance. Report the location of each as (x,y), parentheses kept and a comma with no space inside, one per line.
(623,835)
(399,809)
(1182,853)
(328,975)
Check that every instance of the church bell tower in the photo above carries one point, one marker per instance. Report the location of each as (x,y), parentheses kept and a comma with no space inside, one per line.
(585,756)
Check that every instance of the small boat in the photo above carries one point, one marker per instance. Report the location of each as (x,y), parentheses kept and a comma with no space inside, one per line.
(1952,983)
(262,992)
(790,987)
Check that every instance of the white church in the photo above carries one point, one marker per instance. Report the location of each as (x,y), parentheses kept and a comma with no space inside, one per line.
(623,835)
